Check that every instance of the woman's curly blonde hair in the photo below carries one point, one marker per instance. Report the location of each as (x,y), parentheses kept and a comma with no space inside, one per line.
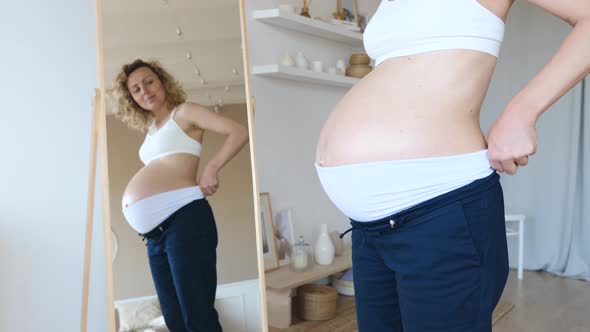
(127,110)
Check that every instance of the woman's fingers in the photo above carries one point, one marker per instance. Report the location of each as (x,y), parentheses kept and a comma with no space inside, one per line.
(509,166)
(210,189)
(522,161)
(497,165)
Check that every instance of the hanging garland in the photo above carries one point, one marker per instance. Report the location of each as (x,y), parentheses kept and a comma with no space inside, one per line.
(196,70)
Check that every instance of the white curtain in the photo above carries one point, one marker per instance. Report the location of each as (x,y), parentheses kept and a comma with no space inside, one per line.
(573,256)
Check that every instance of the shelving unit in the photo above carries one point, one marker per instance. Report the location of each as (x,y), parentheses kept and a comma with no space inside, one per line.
(307,25)
(302,75)
(281,282)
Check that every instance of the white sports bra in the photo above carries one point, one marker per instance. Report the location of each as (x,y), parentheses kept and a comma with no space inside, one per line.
(169,139)
(407,27)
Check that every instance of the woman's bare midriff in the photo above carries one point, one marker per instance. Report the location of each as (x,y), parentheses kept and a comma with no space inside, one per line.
(418,106)
(165,174)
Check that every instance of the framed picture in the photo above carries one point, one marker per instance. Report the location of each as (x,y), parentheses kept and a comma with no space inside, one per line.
(284,236)
(347,10)
(269,244)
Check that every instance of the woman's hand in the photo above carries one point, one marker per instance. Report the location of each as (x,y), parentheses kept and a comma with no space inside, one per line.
(209,182)
(511,140)
(236,136)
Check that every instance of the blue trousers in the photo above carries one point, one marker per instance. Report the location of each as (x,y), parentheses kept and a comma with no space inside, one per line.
(182,256)
(439,266)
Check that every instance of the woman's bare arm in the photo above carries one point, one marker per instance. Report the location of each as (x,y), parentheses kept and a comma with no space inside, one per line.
(512,138)
(568,65)
(236,138)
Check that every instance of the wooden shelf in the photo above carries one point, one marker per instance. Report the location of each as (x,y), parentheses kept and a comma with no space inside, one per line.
(308,25)
(301,75)
(284,278)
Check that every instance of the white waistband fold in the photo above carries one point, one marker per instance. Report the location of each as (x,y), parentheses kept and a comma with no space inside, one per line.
(375,190)
(148,213)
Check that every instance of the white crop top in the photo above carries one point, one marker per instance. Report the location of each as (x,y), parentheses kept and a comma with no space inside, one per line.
(407,27)
(169,139)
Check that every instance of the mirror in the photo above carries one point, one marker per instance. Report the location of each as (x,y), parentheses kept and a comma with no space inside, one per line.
(180,187)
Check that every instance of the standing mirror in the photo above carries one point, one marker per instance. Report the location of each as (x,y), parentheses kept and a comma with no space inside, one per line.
(180,183)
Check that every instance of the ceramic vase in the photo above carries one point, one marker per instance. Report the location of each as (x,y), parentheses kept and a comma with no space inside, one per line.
(288,60)
(324,248)
(301,61)
(340,67)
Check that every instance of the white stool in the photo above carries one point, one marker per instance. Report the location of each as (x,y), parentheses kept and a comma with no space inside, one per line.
(511,231)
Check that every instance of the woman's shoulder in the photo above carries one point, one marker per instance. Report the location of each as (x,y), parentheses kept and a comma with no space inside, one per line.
(190,112)
(189,107)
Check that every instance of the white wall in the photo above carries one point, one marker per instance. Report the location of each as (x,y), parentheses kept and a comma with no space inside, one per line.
(289,117)
(48,79)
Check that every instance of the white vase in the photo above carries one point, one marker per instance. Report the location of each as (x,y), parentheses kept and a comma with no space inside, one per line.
(324,248)
(301,61)
(288,60)
(340,67)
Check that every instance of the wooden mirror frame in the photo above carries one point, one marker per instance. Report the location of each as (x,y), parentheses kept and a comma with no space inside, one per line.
(98,151)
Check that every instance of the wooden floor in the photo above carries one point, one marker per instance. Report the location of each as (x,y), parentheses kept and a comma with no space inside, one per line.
(542,303)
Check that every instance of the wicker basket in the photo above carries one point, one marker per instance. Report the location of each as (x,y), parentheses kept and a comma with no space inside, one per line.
(316,302)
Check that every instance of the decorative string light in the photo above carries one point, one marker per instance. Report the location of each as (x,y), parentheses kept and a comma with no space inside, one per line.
(196,70)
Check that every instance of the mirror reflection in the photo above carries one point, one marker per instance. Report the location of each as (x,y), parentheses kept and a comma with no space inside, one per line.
(179,167)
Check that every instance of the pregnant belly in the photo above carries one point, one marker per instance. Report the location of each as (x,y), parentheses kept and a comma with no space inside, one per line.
(416,108)
(157,178)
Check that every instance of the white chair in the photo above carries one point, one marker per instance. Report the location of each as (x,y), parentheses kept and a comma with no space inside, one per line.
(517,230)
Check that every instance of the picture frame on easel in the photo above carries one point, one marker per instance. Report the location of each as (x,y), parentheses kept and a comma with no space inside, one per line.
(269,243)
(347,14)
(284,234)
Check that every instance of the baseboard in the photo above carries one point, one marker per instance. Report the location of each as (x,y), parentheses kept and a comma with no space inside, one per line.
(238,305)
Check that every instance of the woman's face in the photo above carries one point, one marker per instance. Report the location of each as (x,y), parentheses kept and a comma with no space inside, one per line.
(146,89)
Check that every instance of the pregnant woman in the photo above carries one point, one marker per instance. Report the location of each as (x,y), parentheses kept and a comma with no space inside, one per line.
(164,202)
(404,157)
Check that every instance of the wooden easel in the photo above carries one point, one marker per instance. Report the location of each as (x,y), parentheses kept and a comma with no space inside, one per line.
(90,210)
(98,151)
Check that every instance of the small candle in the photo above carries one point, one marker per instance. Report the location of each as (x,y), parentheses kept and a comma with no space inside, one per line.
(300,262)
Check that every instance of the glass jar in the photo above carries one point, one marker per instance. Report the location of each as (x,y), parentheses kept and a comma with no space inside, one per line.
(301,257)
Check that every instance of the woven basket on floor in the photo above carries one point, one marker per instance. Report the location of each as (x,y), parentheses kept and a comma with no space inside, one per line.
(316,302)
